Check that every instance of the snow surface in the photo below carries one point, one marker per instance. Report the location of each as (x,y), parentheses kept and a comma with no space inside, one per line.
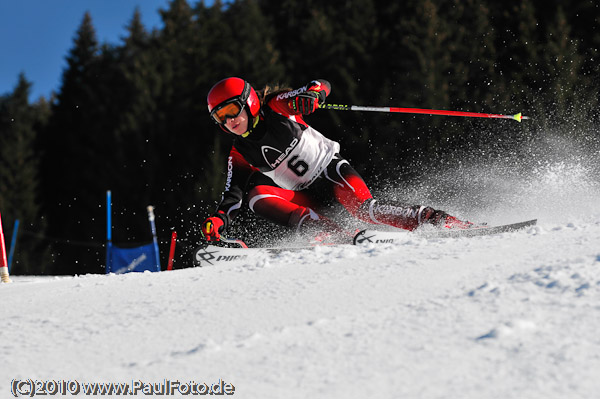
(515,315)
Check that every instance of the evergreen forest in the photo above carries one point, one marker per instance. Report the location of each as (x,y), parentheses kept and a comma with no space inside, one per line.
(131,117)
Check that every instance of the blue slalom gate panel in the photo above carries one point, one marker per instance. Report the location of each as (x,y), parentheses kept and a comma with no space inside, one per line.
(138,259)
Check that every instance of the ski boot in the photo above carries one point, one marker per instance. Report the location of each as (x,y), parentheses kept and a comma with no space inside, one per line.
(445,221)
(451,222)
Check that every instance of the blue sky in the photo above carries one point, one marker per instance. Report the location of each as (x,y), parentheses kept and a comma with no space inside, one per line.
(36,35)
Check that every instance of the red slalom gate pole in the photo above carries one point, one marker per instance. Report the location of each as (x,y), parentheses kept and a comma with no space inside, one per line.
(172,250)
(517,117)
(4,277)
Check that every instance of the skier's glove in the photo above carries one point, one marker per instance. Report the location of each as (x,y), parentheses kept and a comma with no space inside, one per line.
(213,227)
(307,102)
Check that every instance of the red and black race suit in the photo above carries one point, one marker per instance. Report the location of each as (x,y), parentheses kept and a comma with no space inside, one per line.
(281,146)
(288,170)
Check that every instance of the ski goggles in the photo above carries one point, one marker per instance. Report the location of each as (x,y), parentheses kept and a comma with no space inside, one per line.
(229,109)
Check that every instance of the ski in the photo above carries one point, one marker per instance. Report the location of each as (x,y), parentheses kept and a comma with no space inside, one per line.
(235,252)
(211,255)
(389,237)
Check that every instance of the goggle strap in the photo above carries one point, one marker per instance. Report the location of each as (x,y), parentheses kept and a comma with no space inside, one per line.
(246,92)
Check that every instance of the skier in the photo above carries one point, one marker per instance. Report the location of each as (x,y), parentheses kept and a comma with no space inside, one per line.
(288,172)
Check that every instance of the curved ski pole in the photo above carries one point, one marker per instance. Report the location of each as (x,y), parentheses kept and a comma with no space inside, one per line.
(339,107)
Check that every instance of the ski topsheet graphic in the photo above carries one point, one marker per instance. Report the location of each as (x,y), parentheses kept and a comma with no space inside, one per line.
(388,237)
(211,255)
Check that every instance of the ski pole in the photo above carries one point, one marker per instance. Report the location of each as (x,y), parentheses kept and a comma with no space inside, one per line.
(172,250)
(13,242)
(338,107)
(151,219)
(3,264)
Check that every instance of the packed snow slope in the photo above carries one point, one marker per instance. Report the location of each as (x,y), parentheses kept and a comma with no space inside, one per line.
(515,315)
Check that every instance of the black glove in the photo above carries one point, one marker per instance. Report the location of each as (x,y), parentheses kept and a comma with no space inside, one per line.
(307,102)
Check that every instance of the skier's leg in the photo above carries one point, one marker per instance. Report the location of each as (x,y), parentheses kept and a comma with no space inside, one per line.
(352,192)
(402,216)
(286,207)
(349,188)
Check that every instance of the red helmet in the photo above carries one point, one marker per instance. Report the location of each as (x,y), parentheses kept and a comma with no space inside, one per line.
(234,91)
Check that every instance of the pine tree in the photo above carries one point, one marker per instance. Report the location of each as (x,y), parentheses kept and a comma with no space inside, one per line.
(564,92)
(141,78)
(427,37)
(257,59)
(518,58)
(184,133)
(583,17)
(19,178)
(297,43)
(335,41)
(348,33)
(74,163)
(473,51)
(471,74)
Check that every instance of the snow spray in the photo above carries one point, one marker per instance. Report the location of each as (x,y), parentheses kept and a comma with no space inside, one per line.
(3,263)
(554,177)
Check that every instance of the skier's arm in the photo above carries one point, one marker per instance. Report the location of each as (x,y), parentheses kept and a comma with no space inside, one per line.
(238,172)
(302,101)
